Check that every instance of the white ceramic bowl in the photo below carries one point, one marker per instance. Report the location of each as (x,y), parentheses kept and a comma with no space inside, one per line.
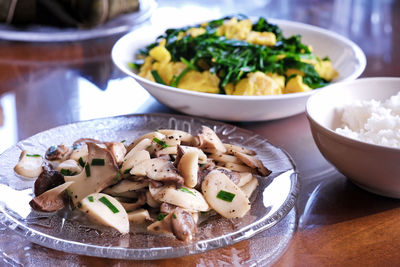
(346,57)
(373,167)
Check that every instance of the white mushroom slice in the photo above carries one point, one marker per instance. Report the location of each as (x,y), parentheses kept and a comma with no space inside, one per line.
(224,158)
(94,178)
(142,145)
(138,216)
(171,150)
(187,198)
(230,149)
(131,206)
(126,185)
(154,190)
(118,150)
(188,167)
(29,165)
(202,157)
(253,162)
(80,152)
(209,140)
(181,135)
(151,201)
(69,167)
(224,196)
(249,188)
(106,210)
(149,136)
(245,177)
(50,200)
(158,169)
(238,167)
(195,216)
(163,226)
(134,159)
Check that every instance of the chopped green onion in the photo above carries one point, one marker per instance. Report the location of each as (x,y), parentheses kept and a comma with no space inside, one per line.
(67,172)
(91,199)
(33,155)
(107,202)
(173,215)
(202,164)
(226,196)
(161,143)
(117,176)
(123,141)
(133,66)
(79,205)
(127,171)
(184,189)
(161,216)
(157,77)
(98,162)
(87,170)
(81,162)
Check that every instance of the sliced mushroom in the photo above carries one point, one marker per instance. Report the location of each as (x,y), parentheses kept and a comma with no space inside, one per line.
(47,180)
(133,160)
(79,153)
(253,162)
(127,185)
(51,200)
(29,165)
(249,188)
(95,177)
(208,139)
(59,152)
(142,145)
(238,167)
(188,167)
(187,198)
(158,169)
(126,195)
(224,196)
(130,206)
(183,136)
(224,158)
(163,226)
(167,208)
(118,150)
(230,149)
(149,136)
(183,225)
(106,210)
(139,216)
(69,167)
(203,171)
(245,177)
(232,175)
(151,201)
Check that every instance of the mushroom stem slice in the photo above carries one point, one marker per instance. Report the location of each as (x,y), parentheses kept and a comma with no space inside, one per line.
(208,139)
(224,196)
(69,166)
(29,165)
(106,210)
(139,216)
(188,167)
(249,188)
(253,162)
(51,200)
(230,149)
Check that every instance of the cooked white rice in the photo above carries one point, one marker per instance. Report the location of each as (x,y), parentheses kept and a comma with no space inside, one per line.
(373,121)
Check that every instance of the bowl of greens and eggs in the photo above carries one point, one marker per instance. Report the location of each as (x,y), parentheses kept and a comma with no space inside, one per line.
(235,69)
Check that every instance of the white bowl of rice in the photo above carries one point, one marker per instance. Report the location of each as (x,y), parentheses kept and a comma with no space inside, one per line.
(356,126)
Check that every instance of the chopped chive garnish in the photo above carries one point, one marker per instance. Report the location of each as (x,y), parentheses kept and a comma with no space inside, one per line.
(117,176)
(69,193)
(157,77)
(226,196)
(87,170)
(107,202)
(67,172)
(184,189)
(173,215)
(133,66)
(81,162)
(123,141)
(79,205)
(33,155)
(201,164)
(161,216)
(98,162)
(127,171)
(76,146)
(161,143)
(91,199)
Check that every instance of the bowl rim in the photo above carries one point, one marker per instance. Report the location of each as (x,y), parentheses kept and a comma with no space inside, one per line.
(342,138)
(359,55)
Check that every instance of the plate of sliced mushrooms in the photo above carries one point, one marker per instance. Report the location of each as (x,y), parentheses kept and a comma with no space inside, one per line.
(145,186)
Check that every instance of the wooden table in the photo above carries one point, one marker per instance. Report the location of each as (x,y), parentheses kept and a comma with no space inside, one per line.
(43,85)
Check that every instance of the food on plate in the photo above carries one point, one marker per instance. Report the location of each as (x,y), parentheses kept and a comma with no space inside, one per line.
(234,56)
(168,180)
(372,121)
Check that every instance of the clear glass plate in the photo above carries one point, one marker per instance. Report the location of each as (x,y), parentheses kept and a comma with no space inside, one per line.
(38,33)
(271,202)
